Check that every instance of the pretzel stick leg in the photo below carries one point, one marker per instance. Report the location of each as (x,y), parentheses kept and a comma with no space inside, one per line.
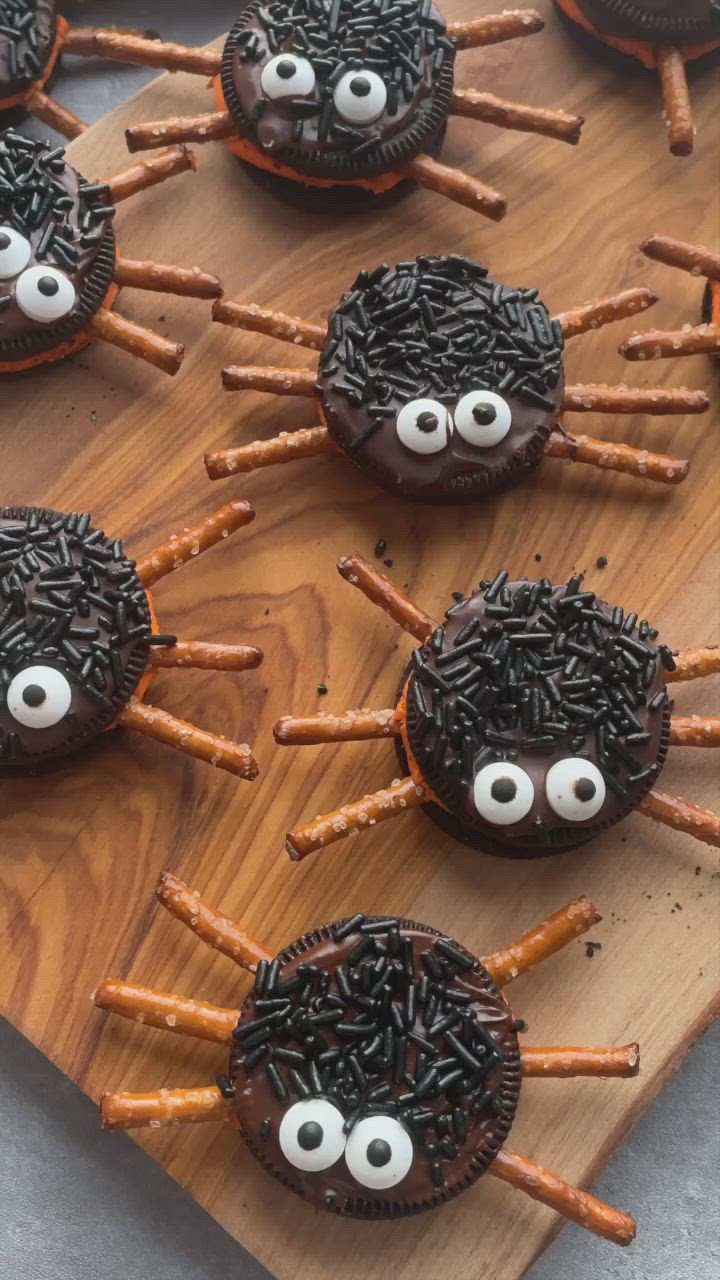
(202,656)
(149,173)
(144,344)
(240,315)
(695,731)
(54,115)
(352,818)
(677,813)
(349,726)
(156,278)
(560,1063)
(167,1011)
(597,398)
(233,757)
(289,445)
(543,941)
(694,258)
(91,42)
(382,592)
(692,664)
(182,547)
(210,926)
(480,32)
(515,115)
(166,1107)
(280,382)
(676,97)
(84,33)
(212,126)
(659,344)
(456,185)
(579,1206)
(602,311)
(611,456)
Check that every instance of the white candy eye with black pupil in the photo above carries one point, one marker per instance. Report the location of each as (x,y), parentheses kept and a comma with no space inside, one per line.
(575,789)
(287,76)
(45,294)
(379,1152)
(503,793)
(39,697)
(483,418)
(311,1135)
(15,253)
(360,97)
(424,426)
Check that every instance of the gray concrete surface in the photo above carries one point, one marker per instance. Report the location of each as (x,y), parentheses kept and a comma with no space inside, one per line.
(79,1205)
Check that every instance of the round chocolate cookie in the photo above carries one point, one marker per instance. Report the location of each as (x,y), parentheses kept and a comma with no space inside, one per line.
(57,249)
(27,39)
(537,715)
(75,626)
(376,1068)
(688,21)
(438,383)
(339,91)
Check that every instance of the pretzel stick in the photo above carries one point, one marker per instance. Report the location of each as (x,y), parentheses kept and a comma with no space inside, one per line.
(676,97)
(561,1063)
(602,311)
(167,1011)
(120,47)
(695,731)
(692,664)
(281,382)
(143,33)
(213,126)
(149,173)
(157,278)
(543,941)
(382,592)
(677,813)
(348,726)
(233,757)
(659,344)
(456,185)
(203,656)
(167,1107)
(286,328)
(216,930)
(613,456)
(495,28)
(694,258)
(144,344)
(515,115)
(54,115)
(579,1206)
(185,546)
(330,827)
(598,398)
(286,447)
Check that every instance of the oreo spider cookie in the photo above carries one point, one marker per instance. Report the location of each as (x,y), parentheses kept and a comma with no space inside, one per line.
(28,32)
(686,21)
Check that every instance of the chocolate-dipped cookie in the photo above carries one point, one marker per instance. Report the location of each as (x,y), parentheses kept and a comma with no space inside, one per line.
(533,718)
(690,340)
(443,385)
(374,1068)
(80,643)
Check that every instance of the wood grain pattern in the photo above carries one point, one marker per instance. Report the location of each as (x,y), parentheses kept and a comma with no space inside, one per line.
(81,848)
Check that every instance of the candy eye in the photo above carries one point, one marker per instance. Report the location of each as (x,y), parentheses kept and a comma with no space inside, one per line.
(311,1135)
(44,294)
(503,793)
(287,76)
(424,426)
(483,418)
(360,97)
(15,253)
(575,789)
(379,1152)
(39,697)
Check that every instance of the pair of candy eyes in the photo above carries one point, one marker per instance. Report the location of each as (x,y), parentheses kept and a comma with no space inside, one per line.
(482,418)
(378,1151)
(42,292)
(359,97)
(503,793)
(39,697)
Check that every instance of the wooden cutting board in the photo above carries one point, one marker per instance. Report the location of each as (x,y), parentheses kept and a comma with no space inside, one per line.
(81,849)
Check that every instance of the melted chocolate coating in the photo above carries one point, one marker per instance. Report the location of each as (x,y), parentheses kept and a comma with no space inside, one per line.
(25,53)
(69,600)
(307,133)
(439,328)
(688,20)
(478,694)
(484,1101)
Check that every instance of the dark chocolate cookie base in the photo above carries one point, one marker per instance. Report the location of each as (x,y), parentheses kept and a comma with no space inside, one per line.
(625,61)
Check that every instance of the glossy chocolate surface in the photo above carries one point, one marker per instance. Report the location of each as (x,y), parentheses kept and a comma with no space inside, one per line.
(27,39)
